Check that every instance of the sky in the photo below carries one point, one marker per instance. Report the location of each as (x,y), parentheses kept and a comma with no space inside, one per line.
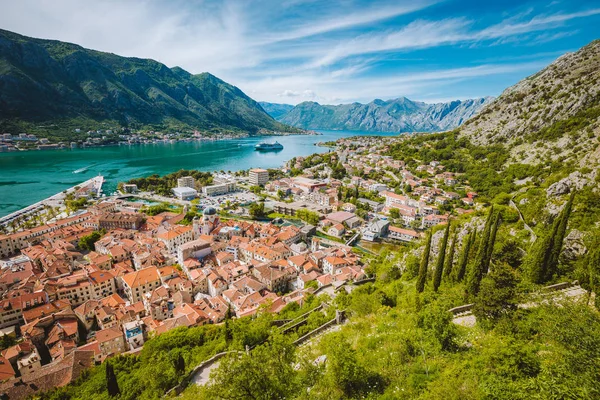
(329,51)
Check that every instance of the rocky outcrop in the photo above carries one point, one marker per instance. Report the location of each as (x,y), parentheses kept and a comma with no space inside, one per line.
(551,114)
(575,181)
(574,245)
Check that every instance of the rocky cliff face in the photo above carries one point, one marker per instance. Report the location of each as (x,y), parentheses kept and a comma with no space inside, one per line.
(552,114)
(398,115)
(48,81)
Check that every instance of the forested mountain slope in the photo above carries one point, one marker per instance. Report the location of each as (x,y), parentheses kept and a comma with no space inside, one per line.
(52,82)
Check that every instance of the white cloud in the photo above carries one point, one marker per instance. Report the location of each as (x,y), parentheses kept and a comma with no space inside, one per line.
(272,51)
(423,34)
(352,19)
(289,93)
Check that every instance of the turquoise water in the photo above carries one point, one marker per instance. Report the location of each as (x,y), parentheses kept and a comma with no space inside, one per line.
(30,176)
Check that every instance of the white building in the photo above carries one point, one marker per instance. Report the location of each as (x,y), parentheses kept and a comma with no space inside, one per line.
(258,176)
(186,181)
(176,237)
(134,334)
(185,193)
(404,235)
(221,188)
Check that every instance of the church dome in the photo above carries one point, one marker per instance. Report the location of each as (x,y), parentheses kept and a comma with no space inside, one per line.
(209,211)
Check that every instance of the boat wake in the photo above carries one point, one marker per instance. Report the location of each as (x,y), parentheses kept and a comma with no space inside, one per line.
(80,170)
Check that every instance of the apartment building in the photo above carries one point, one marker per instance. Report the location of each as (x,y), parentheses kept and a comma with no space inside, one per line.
(258,176)
(221,188)
(136,284)
(176,237)
(186,181)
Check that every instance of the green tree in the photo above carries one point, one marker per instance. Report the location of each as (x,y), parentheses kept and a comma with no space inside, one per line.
(594,272)
(542,261)
(439,267)
(477,269)
(537,259)
(394,213)
(257,210)
(422,277)
(7,341)
(179,364)
(87,242)
(308,216)
(497,296)
(450,258)
(492,241)
(266,372)
(256,189)
(228,328)
(558,239)
(588,272)
(111,381)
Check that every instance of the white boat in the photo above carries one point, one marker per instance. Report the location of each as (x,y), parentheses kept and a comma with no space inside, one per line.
(268,146)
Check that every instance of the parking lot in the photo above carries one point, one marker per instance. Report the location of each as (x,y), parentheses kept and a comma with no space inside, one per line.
(239,197)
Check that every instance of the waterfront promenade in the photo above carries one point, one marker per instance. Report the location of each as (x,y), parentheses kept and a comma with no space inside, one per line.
(56,200)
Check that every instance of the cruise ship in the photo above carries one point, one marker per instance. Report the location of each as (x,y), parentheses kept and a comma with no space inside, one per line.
(268,146)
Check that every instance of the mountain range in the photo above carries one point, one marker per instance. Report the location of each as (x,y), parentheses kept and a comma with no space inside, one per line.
(52,82)
(276,110)
(397,115)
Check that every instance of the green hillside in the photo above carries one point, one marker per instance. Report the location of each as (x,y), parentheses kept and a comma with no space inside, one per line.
(49,85)
(537,223)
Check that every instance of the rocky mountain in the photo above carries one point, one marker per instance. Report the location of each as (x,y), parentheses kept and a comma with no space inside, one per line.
(398,115)
(275,110)
(52,82)
(553,114)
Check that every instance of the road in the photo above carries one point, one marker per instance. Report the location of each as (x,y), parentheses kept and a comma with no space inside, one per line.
(513,205)
(393,175)
(203,377)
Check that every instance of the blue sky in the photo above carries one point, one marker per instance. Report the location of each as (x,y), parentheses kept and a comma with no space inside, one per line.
(334,51)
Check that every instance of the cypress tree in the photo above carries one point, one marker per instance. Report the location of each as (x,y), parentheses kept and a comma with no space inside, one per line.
(180,364)
(111,381)
(594,274)
(492,241)
(557,240)
(228,332)
(450,258)
(477,269)
(538,257)
(439,267)
(423,267)
(463,259)
(542,262)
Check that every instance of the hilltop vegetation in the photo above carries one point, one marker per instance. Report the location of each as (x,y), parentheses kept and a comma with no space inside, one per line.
(50,86)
